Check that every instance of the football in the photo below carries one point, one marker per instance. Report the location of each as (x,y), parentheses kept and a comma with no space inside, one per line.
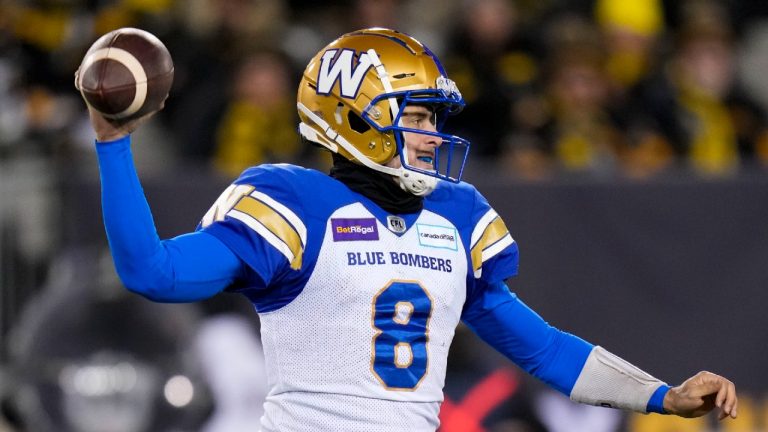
(125,74)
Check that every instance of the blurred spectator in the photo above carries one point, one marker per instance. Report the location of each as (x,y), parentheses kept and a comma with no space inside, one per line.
(631,30)
(89,357)
(631,33)
(380,13)
(494,64)
(697,103)
(560,414)
(575,130)
(232,363)
(54,34)
(210,42)
(603,100)
(258,124)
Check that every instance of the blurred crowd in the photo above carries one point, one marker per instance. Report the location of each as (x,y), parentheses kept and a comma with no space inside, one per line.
(589,87)
(556,89)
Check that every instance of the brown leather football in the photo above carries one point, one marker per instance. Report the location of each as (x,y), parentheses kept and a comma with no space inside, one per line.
(126,74)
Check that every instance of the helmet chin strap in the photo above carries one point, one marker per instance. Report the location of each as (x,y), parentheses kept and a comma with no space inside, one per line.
(416,183)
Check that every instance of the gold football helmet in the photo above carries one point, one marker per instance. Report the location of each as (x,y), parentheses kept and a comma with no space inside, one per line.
(353,93)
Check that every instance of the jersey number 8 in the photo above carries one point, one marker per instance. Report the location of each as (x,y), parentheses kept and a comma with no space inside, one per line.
(401,313)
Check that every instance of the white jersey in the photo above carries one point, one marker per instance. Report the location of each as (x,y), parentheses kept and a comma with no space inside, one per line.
(358,307)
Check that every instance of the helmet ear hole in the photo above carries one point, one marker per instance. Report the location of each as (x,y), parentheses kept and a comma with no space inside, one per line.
(356,123)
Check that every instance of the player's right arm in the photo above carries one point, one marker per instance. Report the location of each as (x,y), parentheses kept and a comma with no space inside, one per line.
(186,268)
(585,372)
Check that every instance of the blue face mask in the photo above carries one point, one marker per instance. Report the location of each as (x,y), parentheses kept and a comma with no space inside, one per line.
(451,155)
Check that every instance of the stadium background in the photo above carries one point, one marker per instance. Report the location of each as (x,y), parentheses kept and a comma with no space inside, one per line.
(623,142)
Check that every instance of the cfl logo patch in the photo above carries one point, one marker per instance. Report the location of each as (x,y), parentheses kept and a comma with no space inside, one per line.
(396,224)
(342,66)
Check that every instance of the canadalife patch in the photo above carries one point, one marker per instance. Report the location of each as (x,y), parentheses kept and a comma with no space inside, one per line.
(437,236)
(354,229)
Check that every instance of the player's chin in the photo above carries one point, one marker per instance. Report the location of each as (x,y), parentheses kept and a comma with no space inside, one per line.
(426,166)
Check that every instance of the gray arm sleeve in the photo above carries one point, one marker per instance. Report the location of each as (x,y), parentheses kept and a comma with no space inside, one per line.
(610,381)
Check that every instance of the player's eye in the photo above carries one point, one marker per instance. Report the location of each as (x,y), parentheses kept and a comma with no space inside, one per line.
(419,119)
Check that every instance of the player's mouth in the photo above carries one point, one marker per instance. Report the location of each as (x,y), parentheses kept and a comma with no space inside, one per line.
(428,161)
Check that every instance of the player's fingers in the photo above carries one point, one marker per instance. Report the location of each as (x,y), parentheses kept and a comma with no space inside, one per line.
(722,395)
(728,403)
(722,415)
(731,402)
(724,411)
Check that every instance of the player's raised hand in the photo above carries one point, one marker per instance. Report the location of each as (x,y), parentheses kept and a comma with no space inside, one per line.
(124,78)
(701,394)
(107,130)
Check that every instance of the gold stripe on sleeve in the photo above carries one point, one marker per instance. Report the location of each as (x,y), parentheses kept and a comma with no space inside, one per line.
(275,223)
(495,231)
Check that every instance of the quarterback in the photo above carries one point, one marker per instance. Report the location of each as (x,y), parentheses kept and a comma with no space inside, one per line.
(360,276)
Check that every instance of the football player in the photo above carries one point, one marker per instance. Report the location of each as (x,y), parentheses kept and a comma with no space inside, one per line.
(361,276)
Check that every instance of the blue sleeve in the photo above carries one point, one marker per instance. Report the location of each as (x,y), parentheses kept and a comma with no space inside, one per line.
(187,268)
(656,403)
(508,325)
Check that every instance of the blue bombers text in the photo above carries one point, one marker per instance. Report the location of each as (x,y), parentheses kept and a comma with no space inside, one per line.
(399,258)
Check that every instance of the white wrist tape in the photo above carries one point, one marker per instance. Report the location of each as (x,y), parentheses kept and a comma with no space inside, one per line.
(610,381)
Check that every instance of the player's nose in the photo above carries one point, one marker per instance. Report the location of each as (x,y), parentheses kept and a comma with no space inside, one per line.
(433,141)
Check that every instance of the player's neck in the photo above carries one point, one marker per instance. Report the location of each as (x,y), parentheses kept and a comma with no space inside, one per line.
(378,187)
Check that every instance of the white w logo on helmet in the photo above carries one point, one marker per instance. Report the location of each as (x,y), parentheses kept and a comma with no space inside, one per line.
(350,76)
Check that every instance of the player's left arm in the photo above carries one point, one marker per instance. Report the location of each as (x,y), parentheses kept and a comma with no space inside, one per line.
(586,373)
